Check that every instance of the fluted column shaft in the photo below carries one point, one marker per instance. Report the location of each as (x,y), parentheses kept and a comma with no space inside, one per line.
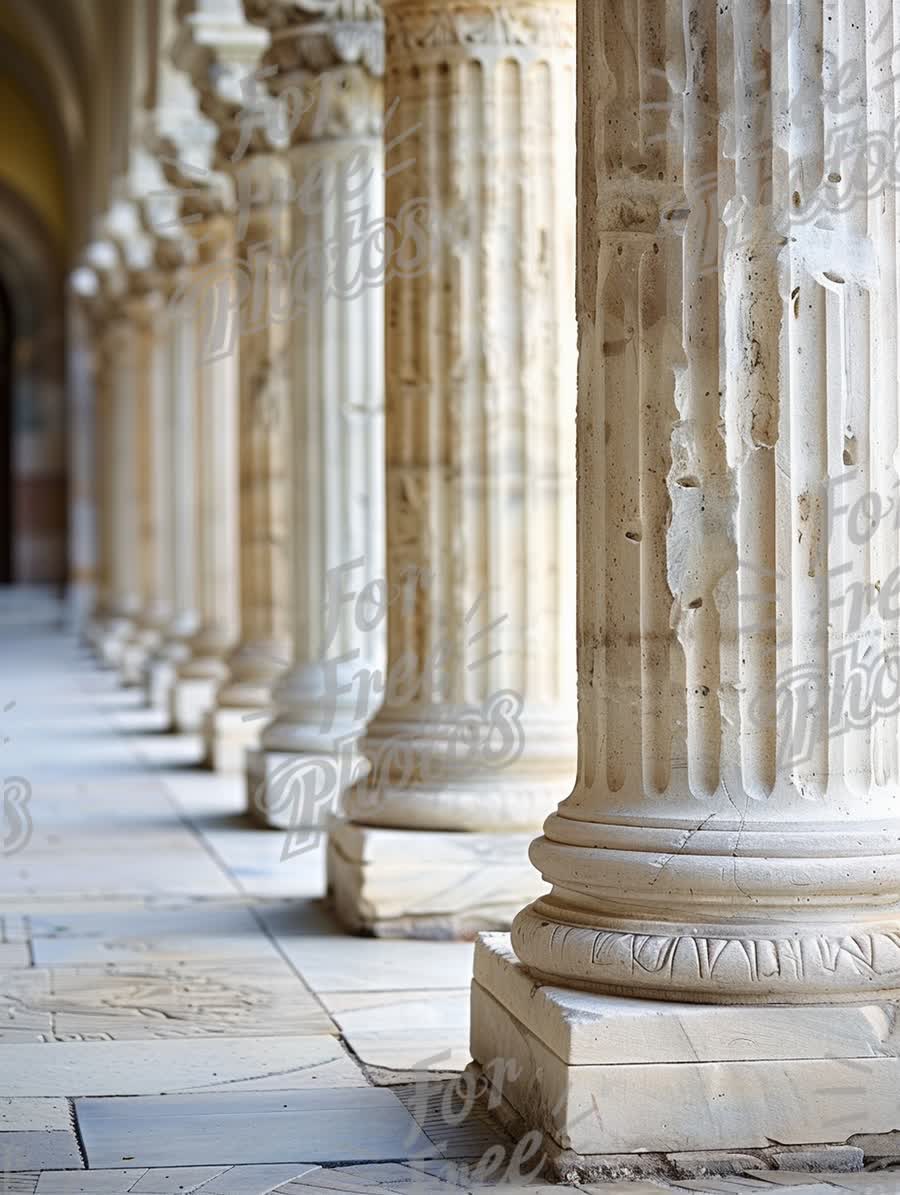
(730,837)
(333,299)
(216,466)
(124,561)
(477,727)
(262,652)
(182,394)
(146,310)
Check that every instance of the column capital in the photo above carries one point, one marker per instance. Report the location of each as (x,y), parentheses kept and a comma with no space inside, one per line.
(328,60)
(426,27)
(220,52)
(316,35)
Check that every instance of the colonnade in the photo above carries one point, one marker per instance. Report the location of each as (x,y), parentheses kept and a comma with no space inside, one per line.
(338,526)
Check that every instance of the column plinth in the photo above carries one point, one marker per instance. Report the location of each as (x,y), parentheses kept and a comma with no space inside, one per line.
(732,835)
(476,733)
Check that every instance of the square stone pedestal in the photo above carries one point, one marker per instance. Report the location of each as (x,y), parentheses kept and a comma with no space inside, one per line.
(289,792)
(131,667)
(159,679)
(428,883)
(192,698)
(609,1075)
(228,733)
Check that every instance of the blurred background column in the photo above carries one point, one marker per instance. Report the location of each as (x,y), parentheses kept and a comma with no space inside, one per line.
(327,73)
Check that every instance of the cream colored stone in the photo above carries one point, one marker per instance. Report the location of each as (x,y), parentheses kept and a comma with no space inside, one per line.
(398,883)
(228,734)
(728,838)
(222,56)
(334,429)
(477,729)
(638,1100)
(216,488)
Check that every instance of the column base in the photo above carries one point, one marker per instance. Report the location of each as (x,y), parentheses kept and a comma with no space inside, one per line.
(134,659)
(289,790)
(159,680)
(192,697)
(112,642)
(228,734)
(428,883)
(602,1077)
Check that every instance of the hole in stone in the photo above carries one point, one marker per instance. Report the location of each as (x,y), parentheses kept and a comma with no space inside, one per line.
(833,277)
(849,450)
(696,604)
(688,483)
(634,536)
(834,177)
(796,198)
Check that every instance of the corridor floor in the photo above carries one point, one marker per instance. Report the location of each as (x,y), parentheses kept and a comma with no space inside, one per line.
(178,1012)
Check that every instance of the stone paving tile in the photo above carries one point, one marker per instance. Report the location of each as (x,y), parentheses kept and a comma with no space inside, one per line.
(459,1126)
(173,1180)
(14,954)
(19,1182)
(378,964)
(88,1182)
(110,1068)
(259,997)
(197,1130)
(422,1031)
(40,1150)
(24,1015)
(31,1114)
(254,1180)
(105,936)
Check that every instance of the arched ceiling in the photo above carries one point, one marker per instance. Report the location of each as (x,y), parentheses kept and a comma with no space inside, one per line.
(64,94)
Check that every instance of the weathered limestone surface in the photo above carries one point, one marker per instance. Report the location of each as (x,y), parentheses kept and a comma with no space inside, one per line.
(476,732)
(328,72)
(732,834)
(605,1075)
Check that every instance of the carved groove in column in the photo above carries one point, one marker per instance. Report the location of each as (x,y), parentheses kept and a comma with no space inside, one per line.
(734,360)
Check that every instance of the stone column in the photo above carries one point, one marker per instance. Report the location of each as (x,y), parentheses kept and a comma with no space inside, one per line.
(81,389)
(100,468)
(732,837)
(121,494)
(216,364)
(150,319)
(263,653)
(177,512)
(220,50)
(477,729)
(330,71)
